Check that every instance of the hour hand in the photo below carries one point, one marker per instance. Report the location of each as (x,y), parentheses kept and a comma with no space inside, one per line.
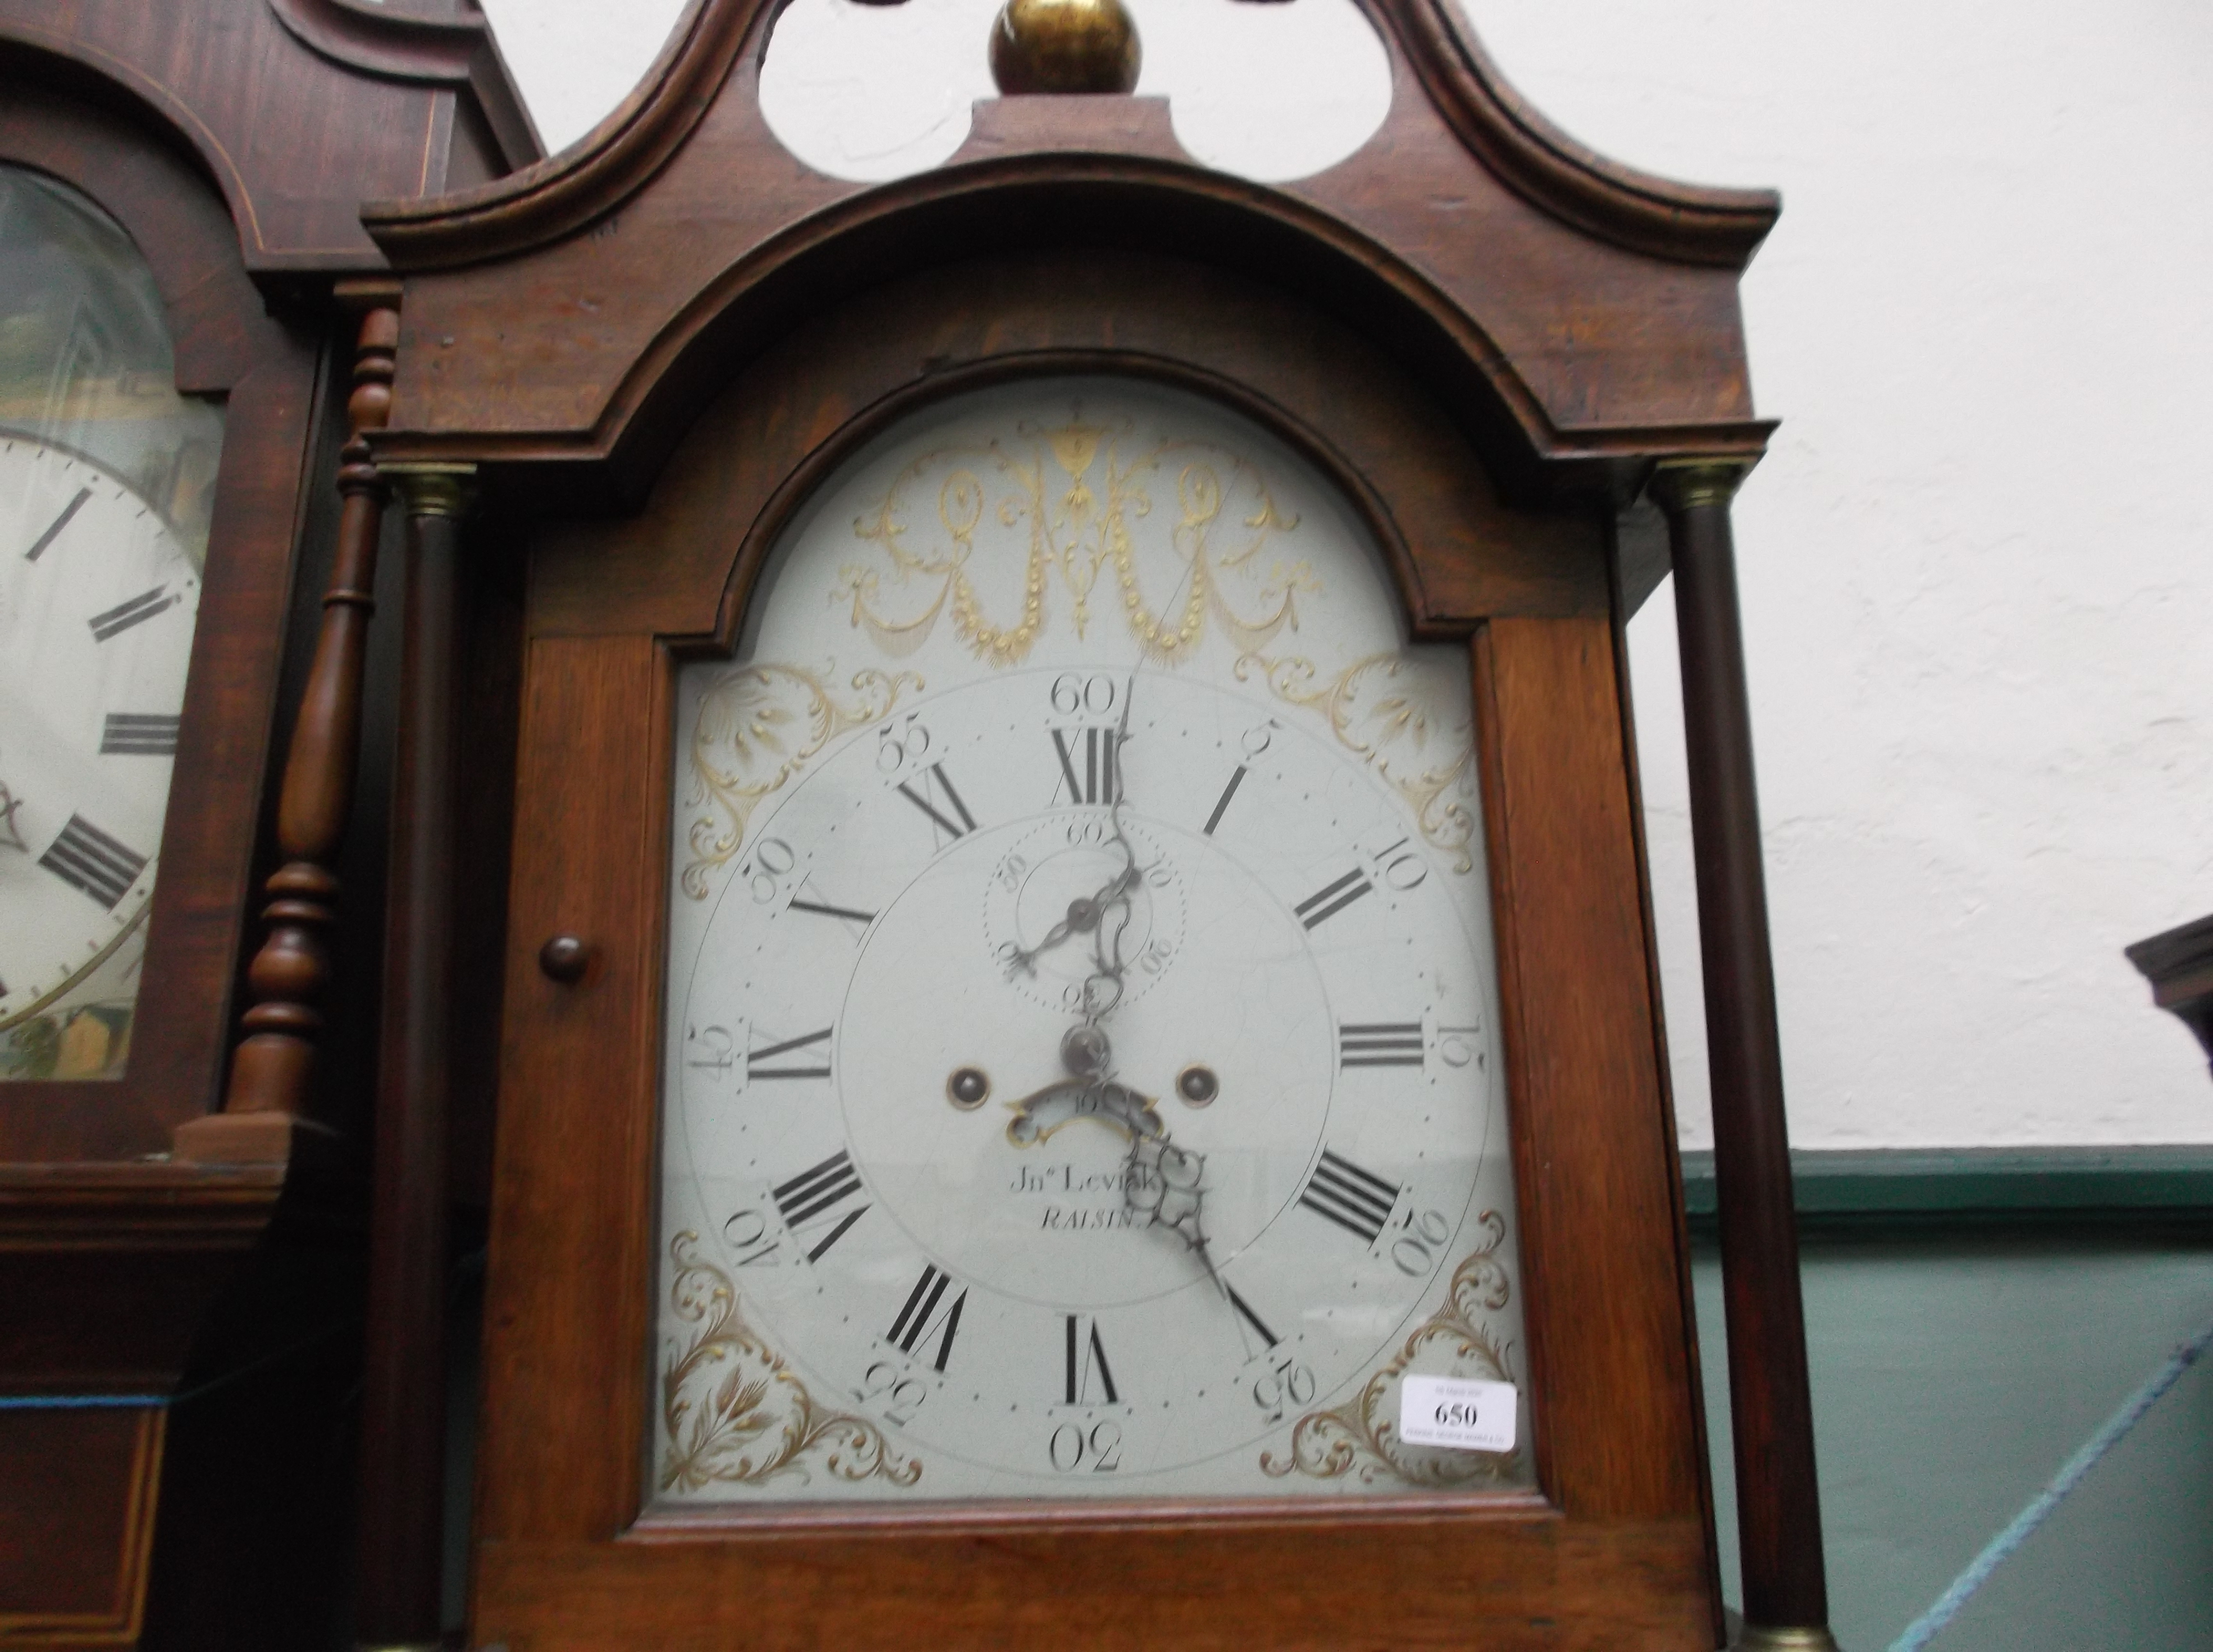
(1166,1183)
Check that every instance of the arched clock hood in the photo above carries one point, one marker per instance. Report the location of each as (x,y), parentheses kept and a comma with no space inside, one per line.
(1580,317)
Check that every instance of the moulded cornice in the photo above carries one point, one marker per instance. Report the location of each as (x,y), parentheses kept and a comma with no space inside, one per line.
(1689,223)
(1531,156)
(400,40)
(592,176)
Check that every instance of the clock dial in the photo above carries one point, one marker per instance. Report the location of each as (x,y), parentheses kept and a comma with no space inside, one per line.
(106,483)
(97,601)
(1081,1078)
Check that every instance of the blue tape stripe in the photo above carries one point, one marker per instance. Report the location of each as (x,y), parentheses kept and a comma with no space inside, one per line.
(79,1402)
(2001,1548)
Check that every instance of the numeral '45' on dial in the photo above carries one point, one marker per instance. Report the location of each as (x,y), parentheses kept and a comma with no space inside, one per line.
(922,1318)
(1359,1201)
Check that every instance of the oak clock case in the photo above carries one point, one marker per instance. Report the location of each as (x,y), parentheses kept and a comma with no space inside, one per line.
(1081,1076)
(106,481)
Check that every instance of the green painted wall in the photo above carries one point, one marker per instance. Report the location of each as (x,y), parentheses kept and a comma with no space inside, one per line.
(1953,1373)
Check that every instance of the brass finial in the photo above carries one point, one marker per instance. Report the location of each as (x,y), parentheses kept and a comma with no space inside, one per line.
(1065,46)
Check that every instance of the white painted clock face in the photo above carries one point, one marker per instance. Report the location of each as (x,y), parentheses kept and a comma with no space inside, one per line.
(97,603)
(1082,1076)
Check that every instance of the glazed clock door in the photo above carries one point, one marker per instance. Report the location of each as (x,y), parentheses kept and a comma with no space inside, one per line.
(1081,1075)
(106,479)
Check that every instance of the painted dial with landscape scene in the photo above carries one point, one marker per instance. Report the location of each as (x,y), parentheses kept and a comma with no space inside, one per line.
(1081,1077)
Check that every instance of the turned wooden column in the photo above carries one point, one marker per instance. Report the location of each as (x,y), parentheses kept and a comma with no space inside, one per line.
(269,1067)
(399,1546)
(1786,1602)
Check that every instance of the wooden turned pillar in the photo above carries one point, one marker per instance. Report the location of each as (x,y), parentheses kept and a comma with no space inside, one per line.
(1786,1601)
(268,1069)
(400,1547)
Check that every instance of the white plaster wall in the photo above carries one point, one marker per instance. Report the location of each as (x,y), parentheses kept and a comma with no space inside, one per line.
(1978,566)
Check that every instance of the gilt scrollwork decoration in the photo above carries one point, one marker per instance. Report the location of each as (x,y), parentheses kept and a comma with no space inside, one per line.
(735,1413)
(1359,1439)
(1000,505)
(1384,721)
(758,726)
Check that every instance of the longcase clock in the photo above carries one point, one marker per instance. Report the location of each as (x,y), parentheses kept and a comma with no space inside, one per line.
(179,193)
(1080,1056)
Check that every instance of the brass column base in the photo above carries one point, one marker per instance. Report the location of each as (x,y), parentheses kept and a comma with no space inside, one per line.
(1758,1637)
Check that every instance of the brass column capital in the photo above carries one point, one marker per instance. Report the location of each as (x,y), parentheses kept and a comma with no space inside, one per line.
(428,489)
(1680,485)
